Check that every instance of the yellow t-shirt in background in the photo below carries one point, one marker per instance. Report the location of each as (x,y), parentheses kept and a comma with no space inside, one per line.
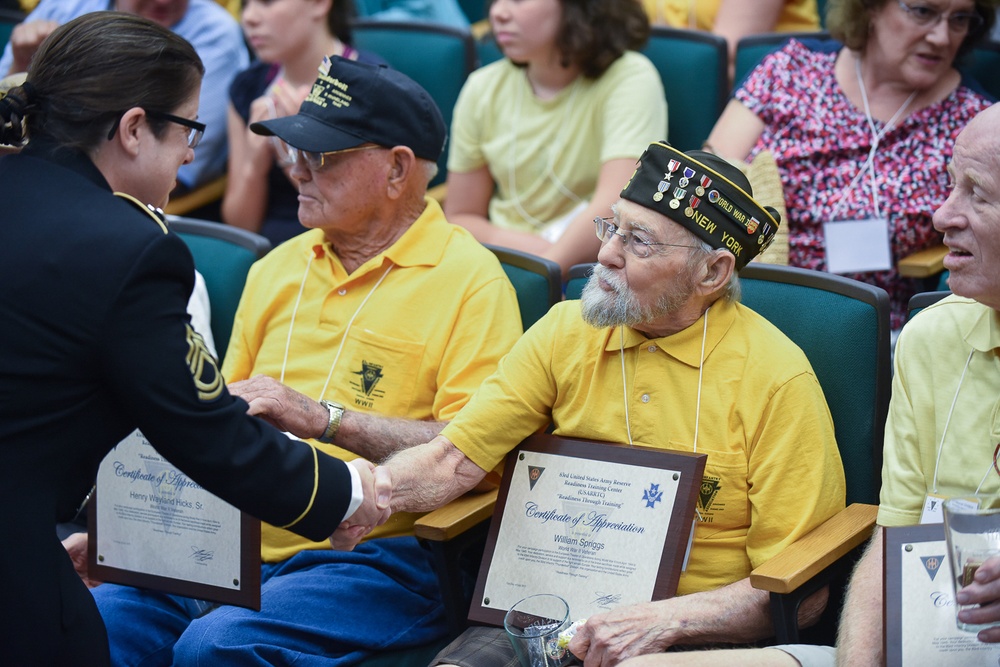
(796,16)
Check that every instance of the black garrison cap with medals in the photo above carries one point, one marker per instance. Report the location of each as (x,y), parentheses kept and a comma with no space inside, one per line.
(353,103)
(706,195)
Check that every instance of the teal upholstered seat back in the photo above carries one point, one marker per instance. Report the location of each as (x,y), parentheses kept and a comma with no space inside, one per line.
(692,66)
(223,256)
(843,327)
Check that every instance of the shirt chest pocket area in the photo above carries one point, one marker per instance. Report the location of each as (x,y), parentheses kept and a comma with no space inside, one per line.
(723,497)
(381,373)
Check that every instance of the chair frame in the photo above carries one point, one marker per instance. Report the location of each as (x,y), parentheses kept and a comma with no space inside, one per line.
(921,300)
(546,268)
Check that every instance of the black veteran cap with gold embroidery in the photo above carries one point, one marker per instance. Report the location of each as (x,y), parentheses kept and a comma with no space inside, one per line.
(706,195)
(354,103)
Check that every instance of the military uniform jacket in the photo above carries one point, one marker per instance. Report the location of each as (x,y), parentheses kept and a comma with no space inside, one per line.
(95,343)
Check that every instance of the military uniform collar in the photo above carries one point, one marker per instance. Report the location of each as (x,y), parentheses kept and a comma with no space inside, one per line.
(70,158)
(685,345)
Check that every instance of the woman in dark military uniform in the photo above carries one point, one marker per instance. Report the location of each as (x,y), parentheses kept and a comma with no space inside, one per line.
(95,341)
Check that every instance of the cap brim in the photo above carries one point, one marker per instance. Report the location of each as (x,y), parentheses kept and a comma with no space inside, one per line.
(307,134)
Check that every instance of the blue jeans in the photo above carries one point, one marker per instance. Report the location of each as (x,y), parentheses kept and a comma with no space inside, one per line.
(326,608)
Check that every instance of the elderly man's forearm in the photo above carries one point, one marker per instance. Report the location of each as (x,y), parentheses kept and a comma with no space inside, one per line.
(376,438)
(428,476)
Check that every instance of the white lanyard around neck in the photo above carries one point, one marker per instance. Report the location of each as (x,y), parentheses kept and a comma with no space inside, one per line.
(944,431)
(347,330)
(877,135)
(701,368)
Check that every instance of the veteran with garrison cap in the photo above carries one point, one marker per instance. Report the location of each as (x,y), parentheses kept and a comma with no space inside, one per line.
(659,352)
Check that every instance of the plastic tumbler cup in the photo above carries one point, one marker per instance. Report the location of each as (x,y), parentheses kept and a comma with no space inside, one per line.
(972,530)
(533,626)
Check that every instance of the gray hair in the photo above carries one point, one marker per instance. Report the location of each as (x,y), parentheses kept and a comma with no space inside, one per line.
(732,291)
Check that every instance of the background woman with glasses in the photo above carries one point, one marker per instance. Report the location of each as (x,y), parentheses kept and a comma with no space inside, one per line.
(96,342)
(862,130)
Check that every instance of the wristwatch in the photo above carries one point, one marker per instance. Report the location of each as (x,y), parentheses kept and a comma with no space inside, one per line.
(336,414)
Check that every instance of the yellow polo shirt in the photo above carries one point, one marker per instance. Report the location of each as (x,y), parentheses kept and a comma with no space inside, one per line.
(773,471)
(432,315)
(930,359)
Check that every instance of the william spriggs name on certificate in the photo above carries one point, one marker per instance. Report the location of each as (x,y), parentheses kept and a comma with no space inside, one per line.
(594,534)
(154,519)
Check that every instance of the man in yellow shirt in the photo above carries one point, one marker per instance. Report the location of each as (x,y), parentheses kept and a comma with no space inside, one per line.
(659,352)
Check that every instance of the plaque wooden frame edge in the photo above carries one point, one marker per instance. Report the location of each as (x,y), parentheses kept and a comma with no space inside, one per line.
(665,585)
(893,537)
(248,594)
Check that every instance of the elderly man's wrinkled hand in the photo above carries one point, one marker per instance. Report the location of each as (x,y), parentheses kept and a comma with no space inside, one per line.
(374,510)
(984,591)
(281,406)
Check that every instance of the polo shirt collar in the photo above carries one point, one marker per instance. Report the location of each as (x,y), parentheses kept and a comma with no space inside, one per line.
(983,333)
(685,345)
(423,244)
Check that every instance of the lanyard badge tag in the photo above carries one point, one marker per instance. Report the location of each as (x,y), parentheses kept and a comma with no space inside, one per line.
(934,507)
(856,246)
(933,511)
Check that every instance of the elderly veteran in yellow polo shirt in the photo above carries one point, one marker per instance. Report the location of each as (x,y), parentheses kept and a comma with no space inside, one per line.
(659,352)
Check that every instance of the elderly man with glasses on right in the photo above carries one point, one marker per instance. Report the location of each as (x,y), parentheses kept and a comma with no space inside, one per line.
(861,128)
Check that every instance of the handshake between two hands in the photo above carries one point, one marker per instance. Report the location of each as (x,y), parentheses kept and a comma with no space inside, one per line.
(374,510)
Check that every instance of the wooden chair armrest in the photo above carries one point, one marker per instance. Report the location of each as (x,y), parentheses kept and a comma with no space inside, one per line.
(438,192)
(200,196)
(816,550)
(456,517)
(923,263)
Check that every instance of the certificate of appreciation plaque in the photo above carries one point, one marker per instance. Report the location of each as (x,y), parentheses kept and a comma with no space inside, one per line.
(920,627)
(596,523)
(151,526)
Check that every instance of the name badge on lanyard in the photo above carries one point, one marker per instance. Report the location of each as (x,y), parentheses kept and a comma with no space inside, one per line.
(934,508)
(856,246)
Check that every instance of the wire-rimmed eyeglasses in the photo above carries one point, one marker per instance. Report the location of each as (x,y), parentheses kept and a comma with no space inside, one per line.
(960,23)
(195,129)
(316,161)
(631,242)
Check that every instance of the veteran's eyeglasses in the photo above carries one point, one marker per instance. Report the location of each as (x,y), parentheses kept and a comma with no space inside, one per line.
(959,23)
(633,242)
(195,129)
(316,161)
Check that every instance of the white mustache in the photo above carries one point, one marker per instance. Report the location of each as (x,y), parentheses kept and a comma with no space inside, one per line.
(616,282)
